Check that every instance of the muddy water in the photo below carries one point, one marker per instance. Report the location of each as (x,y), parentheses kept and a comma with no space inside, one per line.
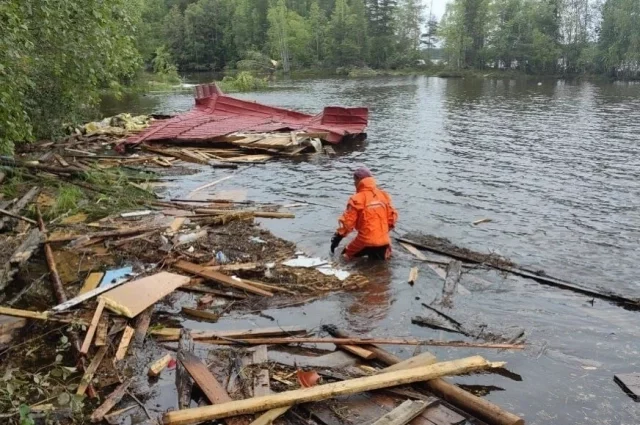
(556,167)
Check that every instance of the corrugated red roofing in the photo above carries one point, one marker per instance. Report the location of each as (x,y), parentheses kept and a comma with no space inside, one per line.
(216,114)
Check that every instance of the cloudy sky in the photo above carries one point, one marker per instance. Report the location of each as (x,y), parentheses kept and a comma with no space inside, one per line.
(438,7)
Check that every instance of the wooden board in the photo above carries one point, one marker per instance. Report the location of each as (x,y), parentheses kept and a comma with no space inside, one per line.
(207,383)
(420,256)
(91,370)
(134,297)
(91,282)
(219,278)
(326,391)
(124,343)
(158,366)
(402,414)
(110,401)
(173,334)
(92,328)
(101,332)
(358,351)
(261,379)
(630,383)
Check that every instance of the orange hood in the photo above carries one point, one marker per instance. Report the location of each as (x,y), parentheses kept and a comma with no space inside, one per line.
(367,183)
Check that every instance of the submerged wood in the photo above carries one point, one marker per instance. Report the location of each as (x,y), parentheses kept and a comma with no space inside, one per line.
(323,392)
(464,400)
(540,278)
(184,383)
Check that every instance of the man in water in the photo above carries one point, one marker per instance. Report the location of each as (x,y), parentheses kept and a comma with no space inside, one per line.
(370,212)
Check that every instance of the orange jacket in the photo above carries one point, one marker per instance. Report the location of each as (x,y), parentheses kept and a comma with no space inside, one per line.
(370,212)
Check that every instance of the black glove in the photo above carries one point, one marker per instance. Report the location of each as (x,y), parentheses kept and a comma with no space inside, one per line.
(335,241)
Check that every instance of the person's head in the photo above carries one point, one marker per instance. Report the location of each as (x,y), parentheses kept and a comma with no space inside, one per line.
(361,173)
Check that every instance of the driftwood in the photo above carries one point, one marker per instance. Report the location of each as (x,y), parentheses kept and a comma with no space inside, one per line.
(455,395)
(323,392)
(358,341)
(537,276)
(184,383)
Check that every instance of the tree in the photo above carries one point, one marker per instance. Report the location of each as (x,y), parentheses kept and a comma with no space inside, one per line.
(343,45)
(318,28)
(55,57)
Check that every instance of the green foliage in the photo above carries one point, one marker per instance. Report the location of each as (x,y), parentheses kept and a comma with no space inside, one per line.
(55,57)
(242,82)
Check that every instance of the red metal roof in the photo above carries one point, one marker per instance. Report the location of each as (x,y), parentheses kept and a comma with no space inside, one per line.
(216,114)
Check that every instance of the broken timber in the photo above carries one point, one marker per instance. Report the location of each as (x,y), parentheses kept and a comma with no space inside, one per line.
(323,392)
(92,328)
(403,414)
(219,278)
(455,395)
(173,334)
(110,401)
(540,278)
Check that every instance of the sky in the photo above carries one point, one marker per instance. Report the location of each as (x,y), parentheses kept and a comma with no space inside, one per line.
(438,7)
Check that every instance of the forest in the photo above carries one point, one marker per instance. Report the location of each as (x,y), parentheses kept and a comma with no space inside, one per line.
(56,58)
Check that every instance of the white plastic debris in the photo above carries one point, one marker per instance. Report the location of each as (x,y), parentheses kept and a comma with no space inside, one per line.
(191,249)
(191,237)
(330,271)
(303,261)
(256,239)
(136,213)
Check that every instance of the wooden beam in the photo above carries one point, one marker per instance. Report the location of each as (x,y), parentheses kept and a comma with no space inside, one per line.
(323,392)
(92,328)
(110,401)
(219,277)
(403,414)
(259,214)
(124,343)
(358,351)
(91,370)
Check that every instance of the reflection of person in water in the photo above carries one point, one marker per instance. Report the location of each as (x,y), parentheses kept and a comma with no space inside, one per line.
(371,303)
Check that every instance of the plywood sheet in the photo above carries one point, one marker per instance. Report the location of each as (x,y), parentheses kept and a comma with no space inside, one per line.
(134,297)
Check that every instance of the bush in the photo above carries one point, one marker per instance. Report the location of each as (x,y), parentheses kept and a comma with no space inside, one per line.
(244,81)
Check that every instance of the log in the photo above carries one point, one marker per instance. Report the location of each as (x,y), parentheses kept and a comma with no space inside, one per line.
(219,278)
(458,397)
(540,278)
(184,383)
(158,366)
(92,328)
(124,343)
(61,296)
(356,341)
(403,414)
(110,401)
(91,370)
(259,214)
(323,392)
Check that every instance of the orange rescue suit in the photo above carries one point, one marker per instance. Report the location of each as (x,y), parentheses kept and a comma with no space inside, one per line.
(370,212)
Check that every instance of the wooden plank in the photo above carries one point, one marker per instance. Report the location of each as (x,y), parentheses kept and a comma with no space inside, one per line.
(91,370)
(110,401)
(101,332)
(201,314)
(206,290)
(173,334)
(142,325)
(124,343)
(358,351)
(134,297)
(86,296)
(176,224)
(91,282)
(326,391)
(402,414)
(261,379)
(27,247)
(219,278)
(207,383)
(60,160)
(630,383)
(158,366)
(92,328)
(455,395)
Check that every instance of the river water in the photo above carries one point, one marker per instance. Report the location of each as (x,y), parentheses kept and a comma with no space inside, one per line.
(555,165)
